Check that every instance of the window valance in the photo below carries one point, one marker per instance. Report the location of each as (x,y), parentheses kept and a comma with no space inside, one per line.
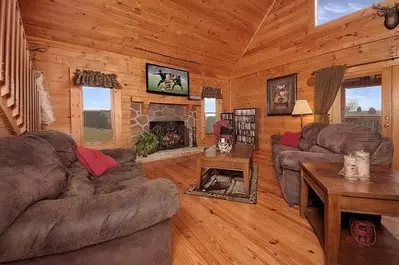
(95,79)
(364,81)
(210,92)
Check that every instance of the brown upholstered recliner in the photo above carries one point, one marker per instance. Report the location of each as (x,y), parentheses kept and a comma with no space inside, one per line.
(54,212)
(326,143)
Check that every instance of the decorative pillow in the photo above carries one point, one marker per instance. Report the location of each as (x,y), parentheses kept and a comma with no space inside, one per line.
(290,139)
(95,161)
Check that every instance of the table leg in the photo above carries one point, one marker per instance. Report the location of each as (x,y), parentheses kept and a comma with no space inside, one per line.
(332,229)
(304,196)
(199,171)
(246,176)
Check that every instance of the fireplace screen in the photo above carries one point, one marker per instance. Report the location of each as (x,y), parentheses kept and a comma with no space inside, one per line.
(172,134)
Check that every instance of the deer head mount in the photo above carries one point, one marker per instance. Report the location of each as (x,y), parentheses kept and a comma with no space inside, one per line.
(391,15)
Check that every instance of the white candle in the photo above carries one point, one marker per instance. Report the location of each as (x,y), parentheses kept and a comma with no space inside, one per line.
(363,164)
(350,168)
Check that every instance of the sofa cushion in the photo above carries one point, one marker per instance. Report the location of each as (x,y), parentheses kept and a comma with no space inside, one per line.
(79,184)
(290,139)
(291,159)
(121,155)
(309,135)
(63,143)
(347,139)
(30,171)
(122,177)
(57,226)
(95,161)
(319,149)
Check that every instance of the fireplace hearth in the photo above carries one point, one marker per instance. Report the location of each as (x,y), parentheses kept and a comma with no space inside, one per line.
(172,134)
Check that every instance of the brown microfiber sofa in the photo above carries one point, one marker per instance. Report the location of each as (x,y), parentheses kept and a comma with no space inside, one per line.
(325,143)
(54,212)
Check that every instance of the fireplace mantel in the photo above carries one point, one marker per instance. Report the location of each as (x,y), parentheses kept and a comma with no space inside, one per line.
(158,99)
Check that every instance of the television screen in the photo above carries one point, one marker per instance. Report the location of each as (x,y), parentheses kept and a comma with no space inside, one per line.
(165,80)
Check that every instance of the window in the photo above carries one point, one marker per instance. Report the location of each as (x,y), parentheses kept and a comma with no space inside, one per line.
(362,101)
(328,10)
(210,114)
(97,114)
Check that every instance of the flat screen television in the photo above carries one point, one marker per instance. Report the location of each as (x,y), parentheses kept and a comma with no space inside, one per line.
(166,80)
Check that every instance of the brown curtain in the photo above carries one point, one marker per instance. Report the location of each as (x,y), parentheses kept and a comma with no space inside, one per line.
(95,79)
(327,84)
(210,92)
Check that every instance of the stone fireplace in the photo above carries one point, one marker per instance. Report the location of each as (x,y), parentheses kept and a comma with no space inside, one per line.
(174,118)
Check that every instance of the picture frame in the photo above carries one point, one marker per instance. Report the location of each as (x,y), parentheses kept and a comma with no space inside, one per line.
(166,80)
(281,95)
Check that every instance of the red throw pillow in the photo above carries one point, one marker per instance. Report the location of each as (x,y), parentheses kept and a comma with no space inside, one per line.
(290,139)
(95,161)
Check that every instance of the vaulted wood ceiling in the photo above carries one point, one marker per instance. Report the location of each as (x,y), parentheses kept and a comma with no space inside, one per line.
(197,34)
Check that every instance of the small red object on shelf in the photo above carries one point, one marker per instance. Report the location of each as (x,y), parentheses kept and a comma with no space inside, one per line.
(218,125)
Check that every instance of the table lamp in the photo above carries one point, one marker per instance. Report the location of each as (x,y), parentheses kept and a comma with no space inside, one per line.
(301,108)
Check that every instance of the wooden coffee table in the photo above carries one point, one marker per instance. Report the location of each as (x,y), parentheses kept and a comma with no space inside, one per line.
(380,196)
(239,159)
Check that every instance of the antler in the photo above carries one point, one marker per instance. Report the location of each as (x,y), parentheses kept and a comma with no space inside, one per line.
(386,10)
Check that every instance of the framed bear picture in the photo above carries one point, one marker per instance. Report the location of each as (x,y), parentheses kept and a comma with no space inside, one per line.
(281,95)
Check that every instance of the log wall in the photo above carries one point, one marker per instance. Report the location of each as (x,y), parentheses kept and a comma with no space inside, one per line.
(288,42)
(57,60)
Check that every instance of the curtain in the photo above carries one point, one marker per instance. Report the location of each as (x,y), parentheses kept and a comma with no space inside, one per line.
(210,92)
(327,84)
(95,79)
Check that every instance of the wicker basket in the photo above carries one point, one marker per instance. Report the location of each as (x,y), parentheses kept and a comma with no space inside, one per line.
(362,232)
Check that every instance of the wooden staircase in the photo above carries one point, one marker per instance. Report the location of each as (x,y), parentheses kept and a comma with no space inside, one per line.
(19,97)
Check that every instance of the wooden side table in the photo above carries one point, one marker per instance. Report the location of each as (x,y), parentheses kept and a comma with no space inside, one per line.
(380,196)
(239,158)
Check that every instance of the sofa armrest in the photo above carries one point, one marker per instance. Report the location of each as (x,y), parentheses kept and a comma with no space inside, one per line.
(57,226)
(275,138)
(122,155)
(291,159)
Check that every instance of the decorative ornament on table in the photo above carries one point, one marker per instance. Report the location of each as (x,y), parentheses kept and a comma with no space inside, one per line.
(222,129)
(357,167)
(224,145)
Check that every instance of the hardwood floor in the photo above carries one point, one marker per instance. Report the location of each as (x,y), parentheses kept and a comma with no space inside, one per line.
(211,231)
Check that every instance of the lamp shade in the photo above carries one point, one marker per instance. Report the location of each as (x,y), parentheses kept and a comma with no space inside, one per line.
(302,107)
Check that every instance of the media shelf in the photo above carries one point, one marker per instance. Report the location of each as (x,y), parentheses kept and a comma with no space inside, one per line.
(245,126)
(227,116)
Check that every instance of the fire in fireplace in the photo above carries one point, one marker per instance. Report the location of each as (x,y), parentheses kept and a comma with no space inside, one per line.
(172,134)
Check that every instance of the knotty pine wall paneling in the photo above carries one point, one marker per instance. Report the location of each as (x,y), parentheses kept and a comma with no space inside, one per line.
(201,35)
(395,114)
(287,42)
(56,59)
